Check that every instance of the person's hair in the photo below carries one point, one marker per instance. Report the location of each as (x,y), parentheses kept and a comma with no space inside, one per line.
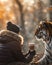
(12,27)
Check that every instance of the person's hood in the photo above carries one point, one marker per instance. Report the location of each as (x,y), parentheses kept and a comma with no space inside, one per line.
(11,35)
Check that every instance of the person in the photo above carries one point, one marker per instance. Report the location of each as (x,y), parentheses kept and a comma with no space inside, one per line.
(16,29)
(10,46)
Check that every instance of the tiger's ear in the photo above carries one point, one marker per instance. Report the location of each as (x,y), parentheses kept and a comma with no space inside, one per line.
(45,25)
(41,22)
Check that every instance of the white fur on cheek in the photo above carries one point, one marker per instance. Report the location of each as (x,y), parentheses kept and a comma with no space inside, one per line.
(37,38)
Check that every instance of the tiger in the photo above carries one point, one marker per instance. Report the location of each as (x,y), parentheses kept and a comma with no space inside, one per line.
(44,32)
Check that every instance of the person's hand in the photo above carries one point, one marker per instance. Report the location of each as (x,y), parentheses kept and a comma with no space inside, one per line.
(33,52)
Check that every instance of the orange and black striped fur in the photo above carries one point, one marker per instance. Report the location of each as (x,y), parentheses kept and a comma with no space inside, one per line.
(44,31)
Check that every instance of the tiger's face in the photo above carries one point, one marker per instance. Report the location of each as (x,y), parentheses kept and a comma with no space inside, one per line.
(42,32)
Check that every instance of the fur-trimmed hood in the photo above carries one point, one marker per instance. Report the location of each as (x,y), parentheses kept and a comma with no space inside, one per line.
(10,47)
(11,34)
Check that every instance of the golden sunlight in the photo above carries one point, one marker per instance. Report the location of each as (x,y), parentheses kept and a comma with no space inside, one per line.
(29,2)
(6,11)
(3,1)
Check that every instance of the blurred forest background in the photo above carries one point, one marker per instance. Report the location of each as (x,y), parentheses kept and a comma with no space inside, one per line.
(27,14)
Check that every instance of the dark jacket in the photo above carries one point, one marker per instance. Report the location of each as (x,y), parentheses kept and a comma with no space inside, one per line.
(10,48)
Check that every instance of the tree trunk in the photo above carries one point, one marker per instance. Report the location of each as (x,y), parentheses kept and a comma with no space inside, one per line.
(23,31)
(50,11)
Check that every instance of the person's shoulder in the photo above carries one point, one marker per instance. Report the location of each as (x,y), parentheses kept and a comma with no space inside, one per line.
(12,35)
(3,32)
(9,33)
